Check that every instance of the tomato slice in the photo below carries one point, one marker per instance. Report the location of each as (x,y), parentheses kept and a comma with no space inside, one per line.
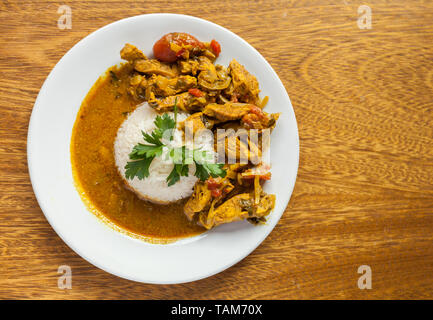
(163,48)
(196,92)
(216,47)
(213,184)
(216,193)
(257,111)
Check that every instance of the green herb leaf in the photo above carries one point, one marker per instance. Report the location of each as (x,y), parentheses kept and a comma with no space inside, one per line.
(144,150)
(139,168)
(153,138)
(175,112)
(204,170)
(175,174)
(163,123)
(143,155)
(201,172)
(216,169)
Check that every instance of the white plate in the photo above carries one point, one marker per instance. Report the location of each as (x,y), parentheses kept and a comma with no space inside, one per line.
(48,154)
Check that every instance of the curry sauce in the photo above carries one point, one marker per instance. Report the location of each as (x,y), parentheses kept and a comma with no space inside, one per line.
(102,112)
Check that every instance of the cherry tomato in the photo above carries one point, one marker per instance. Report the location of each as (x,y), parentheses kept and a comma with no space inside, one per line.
(216,47)
(257,111)
(266,176)
(196,92)
(163,49)
(215,187)
(213,184)
(216,193)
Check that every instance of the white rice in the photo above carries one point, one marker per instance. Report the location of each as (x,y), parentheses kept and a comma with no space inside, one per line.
(154,188)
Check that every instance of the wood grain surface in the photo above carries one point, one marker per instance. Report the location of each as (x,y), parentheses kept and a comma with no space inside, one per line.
(363,99)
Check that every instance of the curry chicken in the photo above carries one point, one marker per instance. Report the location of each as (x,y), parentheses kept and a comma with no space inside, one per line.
(183,75)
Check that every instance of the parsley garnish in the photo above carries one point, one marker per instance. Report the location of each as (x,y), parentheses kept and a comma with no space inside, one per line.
(162,124)
(143,155)
(175,174)
(203,165)
(203,171)
(139,168)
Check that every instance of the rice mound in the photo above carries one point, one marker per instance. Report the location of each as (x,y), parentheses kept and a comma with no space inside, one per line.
(154,188)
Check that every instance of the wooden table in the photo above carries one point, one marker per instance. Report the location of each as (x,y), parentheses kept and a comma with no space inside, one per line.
(363,99)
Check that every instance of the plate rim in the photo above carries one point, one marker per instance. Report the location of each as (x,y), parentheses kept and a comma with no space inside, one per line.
(42,205)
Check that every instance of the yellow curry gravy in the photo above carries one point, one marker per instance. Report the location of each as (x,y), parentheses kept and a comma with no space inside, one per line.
(102,112)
